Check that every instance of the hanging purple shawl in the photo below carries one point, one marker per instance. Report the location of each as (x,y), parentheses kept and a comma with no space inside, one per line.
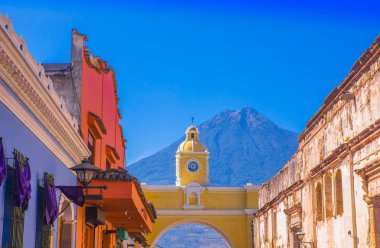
(23,188)
(3,164)
(74,193)
(51,207)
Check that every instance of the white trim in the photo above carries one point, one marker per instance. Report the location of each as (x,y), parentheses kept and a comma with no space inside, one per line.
(170,188)
(193,207)
(250,211)
(226,189)
(10,103)
(160,188)
(250,186)
(201,212)
(29,83)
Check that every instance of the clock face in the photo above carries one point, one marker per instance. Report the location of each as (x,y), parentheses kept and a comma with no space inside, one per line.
(193,166)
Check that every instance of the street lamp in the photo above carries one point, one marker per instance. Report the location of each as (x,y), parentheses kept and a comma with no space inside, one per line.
(300,235)
(85,171)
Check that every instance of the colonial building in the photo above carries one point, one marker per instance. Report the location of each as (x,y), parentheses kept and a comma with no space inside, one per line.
(227,210)
(328,194)
(88,85)
(39,142)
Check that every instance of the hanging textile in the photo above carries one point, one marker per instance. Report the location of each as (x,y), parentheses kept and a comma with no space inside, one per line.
(74,193)
(3,163)
(22,184)
(51,206)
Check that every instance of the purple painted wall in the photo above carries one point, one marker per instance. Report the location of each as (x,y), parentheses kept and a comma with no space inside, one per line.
(16,135)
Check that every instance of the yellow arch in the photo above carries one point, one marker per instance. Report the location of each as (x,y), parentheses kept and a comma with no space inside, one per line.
(227,210)
(193,221)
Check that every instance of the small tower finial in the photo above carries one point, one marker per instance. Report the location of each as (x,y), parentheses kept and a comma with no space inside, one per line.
(192,120)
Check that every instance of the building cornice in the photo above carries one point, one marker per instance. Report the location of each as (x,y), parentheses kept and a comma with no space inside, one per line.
(28,81)
(170,188)
(226,189)
(361,71)
(160,188)
(363,138)
(205,212)
(291,189)
(9,102)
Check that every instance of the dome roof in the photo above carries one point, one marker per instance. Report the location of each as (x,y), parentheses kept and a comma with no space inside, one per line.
(192,142)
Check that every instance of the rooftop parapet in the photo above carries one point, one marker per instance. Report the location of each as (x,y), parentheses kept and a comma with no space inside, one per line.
(37,68)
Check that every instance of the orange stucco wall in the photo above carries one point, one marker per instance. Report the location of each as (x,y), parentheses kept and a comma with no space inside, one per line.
(98,97)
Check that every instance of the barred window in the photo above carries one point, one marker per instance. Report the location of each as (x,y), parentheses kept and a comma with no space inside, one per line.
(13,224)
(43,231)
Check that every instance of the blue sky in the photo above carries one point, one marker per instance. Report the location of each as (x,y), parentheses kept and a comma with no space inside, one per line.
(177,59)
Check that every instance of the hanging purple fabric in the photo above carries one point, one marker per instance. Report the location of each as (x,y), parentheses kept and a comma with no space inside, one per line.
(51,206)
(3,163)
(74,193)
(23,187)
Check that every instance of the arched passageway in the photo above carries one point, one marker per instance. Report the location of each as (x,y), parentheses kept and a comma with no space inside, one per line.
(191,236)
(219,234)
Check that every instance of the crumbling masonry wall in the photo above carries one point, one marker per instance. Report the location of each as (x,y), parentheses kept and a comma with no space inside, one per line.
(340,141)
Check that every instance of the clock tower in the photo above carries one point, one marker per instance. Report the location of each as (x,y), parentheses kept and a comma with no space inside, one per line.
(192,160)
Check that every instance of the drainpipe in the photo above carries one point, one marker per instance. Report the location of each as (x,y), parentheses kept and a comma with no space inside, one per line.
(353,205)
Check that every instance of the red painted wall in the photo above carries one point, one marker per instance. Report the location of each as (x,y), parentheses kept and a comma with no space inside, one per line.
(98,97)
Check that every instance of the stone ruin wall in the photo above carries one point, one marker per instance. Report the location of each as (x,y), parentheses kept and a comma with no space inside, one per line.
(339,123)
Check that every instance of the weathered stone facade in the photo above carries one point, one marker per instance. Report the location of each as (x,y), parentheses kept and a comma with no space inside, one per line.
(330,188)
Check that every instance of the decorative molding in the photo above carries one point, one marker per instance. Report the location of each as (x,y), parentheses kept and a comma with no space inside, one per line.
(363,70)
(28,81)
(7,99)
(366,136)
(193,207)
(159,188)
(226,189)
(250,211)
(201,212)
(282,195)
(250,187)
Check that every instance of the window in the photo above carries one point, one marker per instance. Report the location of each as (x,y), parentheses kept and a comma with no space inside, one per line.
(91,146)
(13,223)
(43,231)
(328,195)
(319,206)
(338,193)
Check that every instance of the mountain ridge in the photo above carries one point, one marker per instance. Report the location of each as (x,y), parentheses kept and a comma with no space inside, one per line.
(245,147)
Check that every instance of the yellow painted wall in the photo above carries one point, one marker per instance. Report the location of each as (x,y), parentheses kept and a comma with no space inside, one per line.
(233,223)
(201,176)
(232,228)
(212,200)
(227,210)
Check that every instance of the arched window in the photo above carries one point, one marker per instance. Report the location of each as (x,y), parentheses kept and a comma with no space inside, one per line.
(328,195)
(318,196)
(338,193)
